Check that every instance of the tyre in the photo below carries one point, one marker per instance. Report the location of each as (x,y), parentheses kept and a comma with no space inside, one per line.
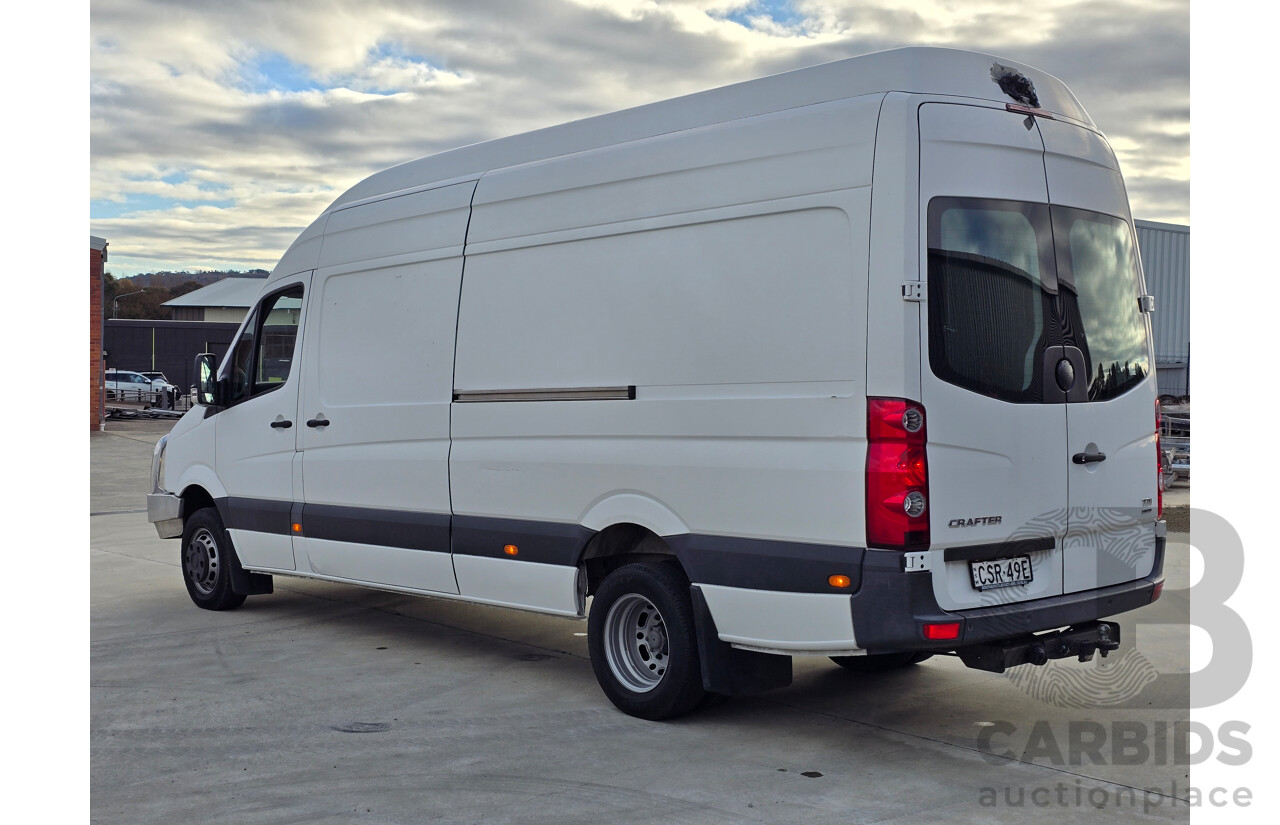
(206,562)
(879,662)
(641,637)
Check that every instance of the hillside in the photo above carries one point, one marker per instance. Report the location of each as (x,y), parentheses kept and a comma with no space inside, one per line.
(168,280)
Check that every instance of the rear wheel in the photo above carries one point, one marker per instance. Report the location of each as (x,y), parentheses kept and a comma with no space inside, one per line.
(206,562)
(641,637)
(879,662)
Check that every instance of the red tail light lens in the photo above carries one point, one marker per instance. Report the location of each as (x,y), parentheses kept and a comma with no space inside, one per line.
(1159,468)
(897,474)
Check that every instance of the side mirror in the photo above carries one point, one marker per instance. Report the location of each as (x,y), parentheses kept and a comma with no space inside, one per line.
(207,378)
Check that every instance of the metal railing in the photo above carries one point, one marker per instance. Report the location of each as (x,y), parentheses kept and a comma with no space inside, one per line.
(1175,442)
(175,401)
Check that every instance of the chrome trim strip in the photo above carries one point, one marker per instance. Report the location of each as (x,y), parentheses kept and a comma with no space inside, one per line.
(565,394)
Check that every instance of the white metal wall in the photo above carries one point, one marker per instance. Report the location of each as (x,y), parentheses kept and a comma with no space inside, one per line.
(1166,261)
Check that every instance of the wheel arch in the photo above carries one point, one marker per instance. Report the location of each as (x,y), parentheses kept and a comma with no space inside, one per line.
(195,497)
(200,478)
(619,544)
(632,508)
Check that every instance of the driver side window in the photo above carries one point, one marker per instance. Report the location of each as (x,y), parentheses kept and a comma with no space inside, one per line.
(262,357)
(240,364)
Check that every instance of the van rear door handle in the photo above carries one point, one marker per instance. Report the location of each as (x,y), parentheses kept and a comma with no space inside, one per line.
(1088,458)
(282,425)
(318,421)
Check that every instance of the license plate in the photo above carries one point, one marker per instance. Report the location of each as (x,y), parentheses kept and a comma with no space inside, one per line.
(1000,572)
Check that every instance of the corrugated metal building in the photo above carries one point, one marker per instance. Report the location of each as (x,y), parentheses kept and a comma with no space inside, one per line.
(226,301)
(1166,262)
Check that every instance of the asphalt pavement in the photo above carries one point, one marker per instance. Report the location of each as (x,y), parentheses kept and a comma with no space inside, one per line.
(328,703)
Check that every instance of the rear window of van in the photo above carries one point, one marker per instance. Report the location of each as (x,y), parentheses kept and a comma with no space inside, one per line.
(1009,279)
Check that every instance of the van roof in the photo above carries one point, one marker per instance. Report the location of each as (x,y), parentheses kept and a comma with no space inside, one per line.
(914,70)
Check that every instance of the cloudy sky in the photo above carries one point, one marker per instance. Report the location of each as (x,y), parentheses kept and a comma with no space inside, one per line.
(220,129)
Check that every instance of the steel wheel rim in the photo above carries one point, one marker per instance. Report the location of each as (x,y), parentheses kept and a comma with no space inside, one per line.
(202,561)
(636,643)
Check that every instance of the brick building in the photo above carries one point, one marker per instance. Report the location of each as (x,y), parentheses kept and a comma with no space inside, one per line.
(97,257)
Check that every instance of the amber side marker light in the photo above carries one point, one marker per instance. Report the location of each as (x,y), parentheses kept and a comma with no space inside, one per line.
(511,550)
(838,581)
(948,630)
(297,528)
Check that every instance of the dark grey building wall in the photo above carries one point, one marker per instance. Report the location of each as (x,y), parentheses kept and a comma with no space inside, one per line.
(168,346)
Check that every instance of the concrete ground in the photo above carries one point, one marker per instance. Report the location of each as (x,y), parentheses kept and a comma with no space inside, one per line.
(327,703)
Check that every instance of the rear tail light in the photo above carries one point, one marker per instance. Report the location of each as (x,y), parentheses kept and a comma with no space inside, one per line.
(1159,468)
(897,475)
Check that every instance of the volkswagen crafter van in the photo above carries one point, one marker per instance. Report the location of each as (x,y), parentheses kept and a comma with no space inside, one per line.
(853,361)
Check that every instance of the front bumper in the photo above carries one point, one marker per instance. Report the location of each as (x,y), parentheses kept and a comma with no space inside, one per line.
(164,510)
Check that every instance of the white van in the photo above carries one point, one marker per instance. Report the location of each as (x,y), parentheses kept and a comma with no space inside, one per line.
(852,361)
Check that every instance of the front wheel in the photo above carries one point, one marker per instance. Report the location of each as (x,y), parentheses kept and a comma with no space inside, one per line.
(206,562)
(641,637)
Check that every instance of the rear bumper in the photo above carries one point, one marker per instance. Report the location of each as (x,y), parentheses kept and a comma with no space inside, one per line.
(892,607)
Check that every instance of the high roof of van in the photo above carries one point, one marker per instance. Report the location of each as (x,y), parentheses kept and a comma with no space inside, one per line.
(920,70)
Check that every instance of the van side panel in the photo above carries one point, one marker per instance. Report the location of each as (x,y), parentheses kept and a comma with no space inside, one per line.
(378,369)
(893,370)
(742,300)
(791,153)
(737,316)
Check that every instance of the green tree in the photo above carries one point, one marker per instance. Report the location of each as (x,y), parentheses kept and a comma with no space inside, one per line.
(110,289)
(182,289)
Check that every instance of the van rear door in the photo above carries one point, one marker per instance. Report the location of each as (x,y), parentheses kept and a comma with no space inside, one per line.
(996,422)
(1110,415)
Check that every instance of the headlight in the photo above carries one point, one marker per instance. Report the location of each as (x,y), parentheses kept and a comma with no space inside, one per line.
(157,464)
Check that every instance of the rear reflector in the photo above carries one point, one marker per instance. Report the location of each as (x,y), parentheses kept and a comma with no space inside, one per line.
(897,478)
(942,632)
(1159,588)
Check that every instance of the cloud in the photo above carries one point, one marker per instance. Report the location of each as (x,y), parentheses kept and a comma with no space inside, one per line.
(218,131)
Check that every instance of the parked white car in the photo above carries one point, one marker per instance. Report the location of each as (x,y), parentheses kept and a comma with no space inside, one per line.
(127,384)
(156,375)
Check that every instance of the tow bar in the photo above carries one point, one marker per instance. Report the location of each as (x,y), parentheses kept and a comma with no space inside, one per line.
(1078,640)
